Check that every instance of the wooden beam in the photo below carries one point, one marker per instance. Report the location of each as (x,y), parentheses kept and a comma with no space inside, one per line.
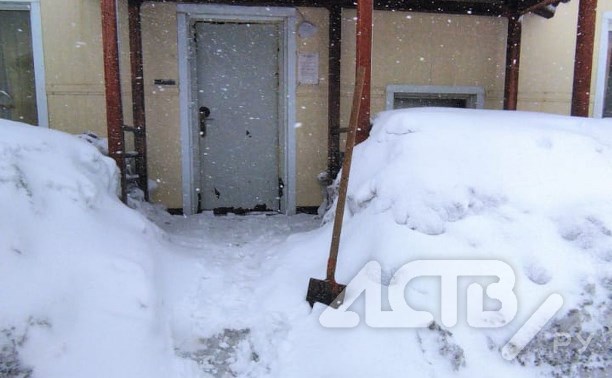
(493,8)
(513,57)
(538,5)
(138,94)
(583,62)
(364,59)
(335,53)
(112,81)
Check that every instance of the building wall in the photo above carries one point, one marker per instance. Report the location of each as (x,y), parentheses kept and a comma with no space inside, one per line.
(73,65)
(428,49)
(162,107)
(312,113)
(547,59)
(159,31)
(409,48)
(461,56)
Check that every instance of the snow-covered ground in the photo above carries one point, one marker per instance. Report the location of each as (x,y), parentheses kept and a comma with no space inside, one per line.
(214,304)
(91,288)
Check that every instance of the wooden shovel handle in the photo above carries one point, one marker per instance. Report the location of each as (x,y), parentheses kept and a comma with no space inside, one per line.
(346,169)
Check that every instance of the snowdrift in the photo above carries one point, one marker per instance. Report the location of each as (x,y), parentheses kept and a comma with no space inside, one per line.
(530,190)
(78,295)
(90,288)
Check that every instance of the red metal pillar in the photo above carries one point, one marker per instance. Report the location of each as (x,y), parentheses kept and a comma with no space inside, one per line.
(364,59)
(583,63)
(138,96)
(112,80)
(513,58)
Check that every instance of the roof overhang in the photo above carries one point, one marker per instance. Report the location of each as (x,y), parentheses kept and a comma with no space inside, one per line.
(495,8)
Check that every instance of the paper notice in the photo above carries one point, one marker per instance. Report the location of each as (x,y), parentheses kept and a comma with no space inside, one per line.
(308,68)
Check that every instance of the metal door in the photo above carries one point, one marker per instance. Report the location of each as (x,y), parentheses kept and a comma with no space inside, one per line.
(238,101)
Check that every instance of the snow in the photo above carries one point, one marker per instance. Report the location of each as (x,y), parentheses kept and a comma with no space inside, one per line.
(78,268)
(91,288)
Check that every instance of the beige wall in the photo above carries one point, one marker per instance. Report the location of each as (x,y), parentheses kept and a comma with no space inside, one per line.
(547,59)
(159,30)
(312,113)
(73,65)
(426,49)
(409,48)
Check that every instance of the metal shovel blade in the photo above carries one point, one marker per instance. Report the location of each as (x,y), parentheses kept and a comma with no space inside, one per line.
(324,291)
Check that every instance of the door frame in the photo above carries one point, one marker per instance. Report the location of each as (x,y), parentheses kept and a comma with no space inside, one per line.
(187,15)
(602,64)
(37,51)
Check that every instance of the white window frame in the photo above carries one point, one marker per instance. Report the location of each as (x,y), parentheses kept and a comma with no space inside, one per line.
(38,53)
(474,96)
(186,15)
(602,64)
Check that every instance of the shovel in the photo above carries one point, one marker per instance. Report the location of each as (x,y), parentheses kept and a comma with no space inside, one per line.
(328,291)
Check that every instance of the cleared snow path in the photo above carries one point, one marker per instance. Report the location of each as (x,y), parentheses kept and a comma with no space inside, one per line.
(243,235)
(240,245)
(210,284)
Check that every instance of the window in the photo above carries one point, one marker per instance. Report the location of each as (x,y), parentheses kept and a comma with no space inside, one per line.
(22,91)
(412,96)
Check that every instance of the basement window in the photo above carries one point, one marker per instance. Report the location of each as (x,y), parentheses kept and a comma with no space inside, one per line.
(414,96)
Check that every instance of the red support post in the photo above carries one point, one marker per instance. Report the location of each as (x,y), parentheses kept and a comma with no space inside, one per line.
(583,62)
(513,58)
(112,81)
(364,59)
(138,94)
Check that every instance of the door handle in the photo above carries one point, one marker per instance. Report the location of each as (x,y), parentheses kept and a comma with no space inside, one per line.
(204,112)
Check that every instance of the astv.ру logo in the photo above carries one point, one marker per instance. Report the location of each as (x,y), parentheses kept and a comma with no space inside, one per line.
(401,315)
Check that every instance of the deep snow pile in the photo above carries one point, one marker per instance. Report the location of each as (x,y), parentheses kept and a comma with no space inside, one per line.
(531,190)
(90,288)
(78,295)
(528,189)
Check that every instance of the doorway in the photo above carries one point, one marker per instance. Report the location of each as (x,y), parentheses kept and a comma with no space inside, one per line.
(237,92)
(238,68)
